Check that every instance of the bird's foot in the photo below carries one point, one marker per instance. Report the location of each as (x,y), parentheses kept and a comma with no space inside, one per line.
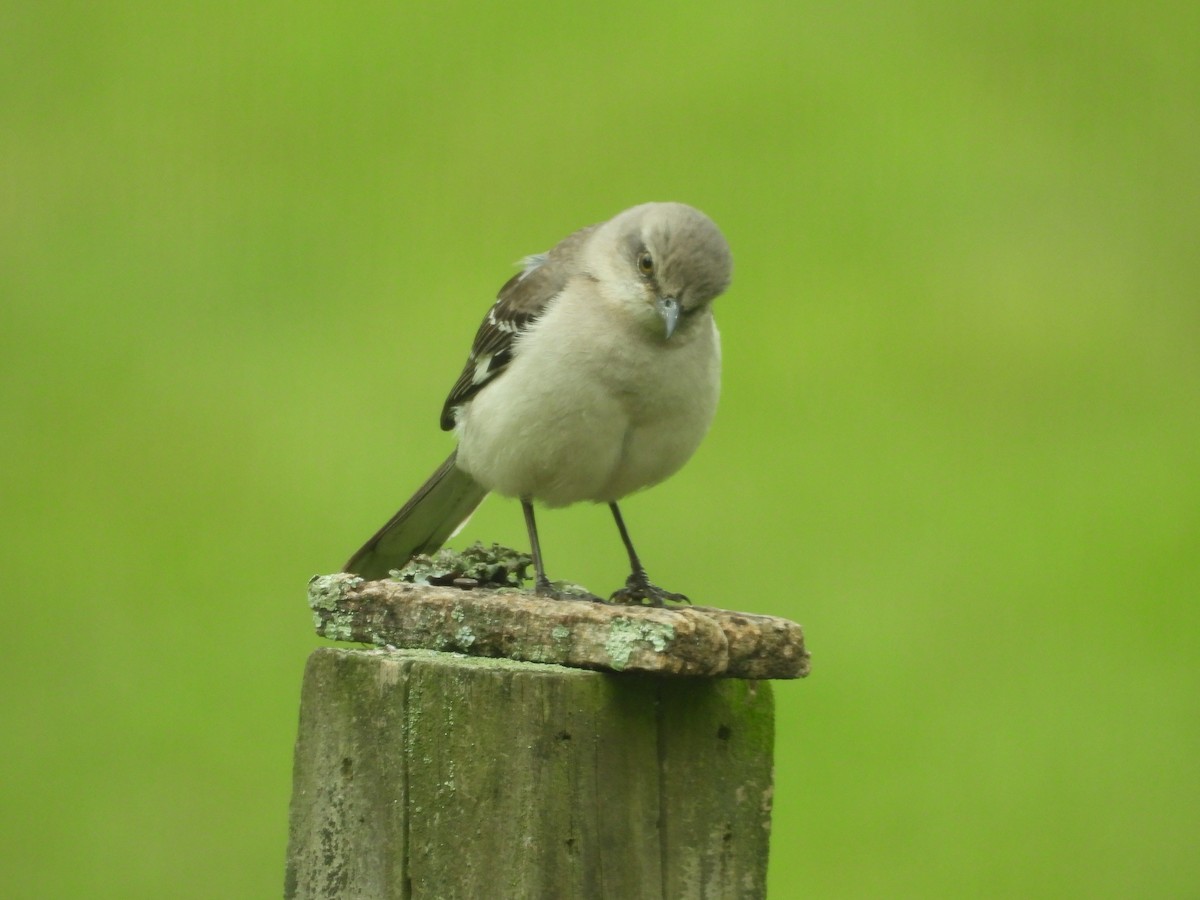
(563,590)
(638,590)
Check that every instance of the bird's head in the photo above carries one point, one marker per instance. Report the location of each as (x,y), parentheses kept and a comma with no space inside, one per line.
(669,261)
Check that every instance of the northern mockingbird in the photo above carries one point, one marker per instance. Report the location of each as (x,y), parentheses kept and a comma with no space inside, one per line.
(595,374)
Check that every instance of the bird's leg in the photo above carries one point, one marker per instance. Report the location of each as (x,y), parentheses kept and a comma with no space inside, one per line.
(637,586)
(541,582)
(542,586)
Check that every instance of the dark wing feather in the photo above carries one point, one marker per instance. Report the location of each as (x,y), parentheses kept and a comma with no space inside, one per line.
(520,302)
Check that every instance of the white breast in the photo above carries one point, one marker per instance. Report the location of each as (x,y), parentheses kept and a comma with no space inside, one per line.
(589,411)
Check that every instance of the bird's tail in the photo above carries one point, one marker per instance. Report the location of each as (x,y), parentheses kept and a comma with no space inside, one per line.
(433,515)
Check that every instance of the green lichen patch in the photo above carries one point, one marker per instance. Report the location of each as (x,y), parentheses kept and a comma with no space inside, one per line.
(625,635)
(337,626)
(325,594)
(326,591)
(476,566)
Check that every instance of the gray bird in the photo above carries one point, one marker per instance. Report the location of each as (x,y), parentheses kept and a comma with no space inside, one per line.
(595,374)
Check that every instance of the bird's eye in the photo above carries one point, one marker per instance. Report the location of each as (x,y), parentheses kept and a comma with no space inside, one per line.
(646,263)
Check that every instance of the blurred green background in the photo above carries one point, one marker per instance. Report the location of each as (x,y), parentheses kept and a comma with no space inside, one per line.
(243,250)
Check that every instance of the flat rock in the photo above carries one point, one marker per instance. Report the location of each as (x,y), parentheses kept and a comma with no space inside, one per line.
(512,624)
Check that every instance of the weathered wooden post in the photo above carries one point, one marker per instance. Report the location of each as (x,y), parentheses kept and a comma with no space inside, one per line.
(580,750)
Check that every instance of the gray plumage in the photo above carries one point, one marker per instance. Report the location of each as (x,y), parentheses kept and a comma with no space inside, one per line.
(596,373)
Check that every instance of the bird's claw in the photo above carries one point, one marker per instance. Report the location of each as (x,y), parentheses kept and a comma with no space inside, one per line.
(638,590)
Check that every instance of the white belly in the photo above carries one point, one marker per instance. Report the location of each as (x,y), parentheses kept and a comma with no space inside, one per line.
(587,418)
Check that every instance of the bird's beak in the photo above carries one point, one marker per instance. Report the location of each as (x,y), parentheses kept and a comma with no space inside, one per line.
(668,308)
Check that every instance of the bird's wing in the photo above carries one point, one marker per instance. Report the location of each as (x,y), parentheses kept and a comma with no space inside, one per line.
(520,302)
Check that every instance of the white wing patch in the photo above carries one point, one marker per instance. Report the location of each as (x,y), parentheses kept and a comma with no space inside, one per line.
(480,375)
(505,325)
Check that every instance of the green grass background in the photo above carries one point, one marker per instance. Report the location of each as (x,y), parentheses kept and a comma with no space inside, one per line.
(243,248)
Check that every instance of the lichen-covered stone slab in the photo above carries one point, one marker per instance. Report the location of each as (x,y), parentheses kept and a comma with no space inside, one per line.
(512,624)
